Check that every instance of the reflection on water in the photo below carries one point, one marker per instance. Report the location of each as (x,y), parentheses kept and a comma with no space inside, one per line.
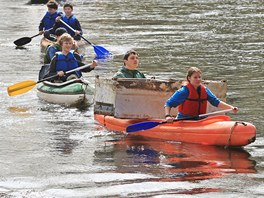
(62,142)
(176,161)
(18,109)
(21,48)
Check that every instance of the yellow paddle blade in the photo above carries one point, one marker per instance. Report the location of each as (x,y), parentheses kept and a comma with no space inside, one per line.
(21,87)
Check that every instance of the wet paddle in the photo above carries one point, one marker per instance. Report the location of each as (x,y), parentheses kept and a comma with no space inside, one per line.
(100,51)
(25,86)
(151,124)
(24,40)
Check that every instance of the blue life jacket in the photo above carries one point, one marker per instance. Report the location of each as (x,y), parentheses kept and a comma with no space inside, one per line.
(66,63)
(49,20)
(71,22)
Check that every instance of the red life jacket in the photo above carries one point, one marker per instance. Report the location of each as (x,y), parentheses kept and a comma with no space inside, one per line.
(195,103)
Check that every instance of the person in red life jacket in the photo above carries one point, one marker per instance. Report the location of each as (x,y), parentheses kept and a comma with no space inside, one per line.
(192,98)
(65,60)
(48,21)
(69,18)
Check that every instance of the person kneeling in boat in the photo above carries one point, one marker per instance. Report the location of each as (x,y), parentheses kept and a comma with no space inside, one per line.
(55,47)
(192,98)
(129,70)
(48,21)
(65,61)
(51,51)
(69,18)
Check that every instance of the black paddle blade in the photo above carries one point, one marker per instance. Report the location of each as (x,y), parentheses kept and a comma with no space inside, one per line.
(22,41)
(142,126)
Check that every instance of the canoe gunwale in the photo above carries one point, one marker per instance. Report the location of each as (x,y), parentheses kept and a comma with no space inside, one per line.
(77,80)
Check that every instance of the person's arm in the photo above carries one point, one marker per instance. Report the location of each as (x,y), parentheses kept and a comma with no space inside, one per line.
(78,27)
(52,70)
(51,51)
(217,103)
(78,33)
(91,67)
(212,99)
(41,27)
(168,116)
(57,24)
(224,105)
(175,100)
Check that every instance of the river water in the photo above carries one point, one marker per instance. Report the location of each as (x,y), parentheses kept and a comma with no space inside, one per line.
(54,151)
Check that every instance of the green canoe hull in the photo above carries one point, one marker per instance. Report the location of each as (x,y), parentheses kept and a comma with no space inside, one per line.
(71,93)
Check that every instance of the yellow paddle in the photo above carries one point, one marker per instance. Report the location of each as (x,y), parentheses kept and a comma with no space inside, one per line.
(25,86)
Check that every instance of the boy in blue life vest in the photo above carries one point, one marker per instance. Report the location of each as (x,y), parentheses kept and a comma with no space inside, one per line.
(49,19)
(69,18)
(192,98)
(51,52)
(65,60)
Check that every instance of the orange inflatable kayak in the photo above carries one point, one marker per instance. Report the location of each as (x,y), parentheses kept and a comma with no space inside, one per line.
(214,130)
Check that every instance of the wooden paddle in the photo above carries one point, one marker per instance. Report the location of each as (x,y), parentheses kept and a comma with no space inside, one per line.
(24,40)
(100,51)
(25,86)
(151,124)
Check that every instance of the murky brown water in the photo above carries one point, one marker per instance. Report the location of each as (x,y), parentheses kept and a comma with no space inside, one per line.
(53,151)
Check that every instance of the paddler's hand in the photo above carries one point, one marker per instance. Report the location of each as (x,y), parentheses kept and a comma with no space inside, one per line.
(235,109)
(60,73)
(94,64)
(77,32)
(58,18)
(169,118)
(75,46)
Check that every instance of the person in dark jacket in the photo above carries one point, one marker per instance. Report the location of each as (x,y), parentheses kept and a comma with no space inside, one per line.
(129,70)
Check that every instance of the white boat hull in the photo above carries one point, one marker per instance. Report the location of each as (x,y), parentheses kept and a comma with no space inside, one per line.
(67,99)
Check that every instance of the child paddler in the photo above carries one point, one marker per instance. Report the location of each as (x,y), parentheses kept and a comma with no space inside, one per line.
(48,20)
(69,18)
(64,61)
